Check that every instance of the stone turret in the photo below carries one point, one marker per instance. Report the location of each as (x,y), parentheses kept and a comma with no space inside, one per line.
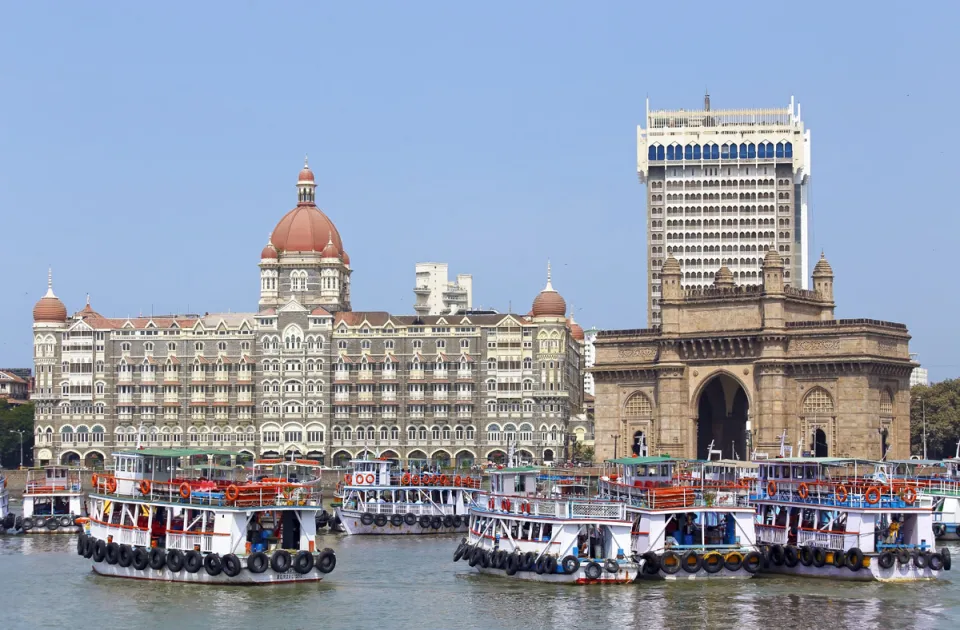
(772,272)
(823,285)
(670,277)
(723,279)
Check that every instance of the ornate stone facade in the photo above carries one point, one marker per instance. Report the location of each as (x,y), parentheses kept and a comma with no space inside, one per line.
(742,369)
(305,374)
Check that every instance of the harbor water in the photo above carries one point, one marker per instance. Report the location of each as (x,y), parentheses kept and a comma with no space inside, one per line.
(411,582)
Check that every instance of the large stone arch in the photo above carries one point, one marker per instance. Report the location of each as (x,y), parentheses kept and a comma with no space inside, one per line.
(721,405)
(341,458)
(465,458)
(94,459)
(70,458)
(441,457)
(496,455)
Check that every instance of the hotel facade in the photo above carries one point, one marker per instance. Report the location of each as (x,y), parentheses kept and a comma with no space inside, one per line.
(305,375)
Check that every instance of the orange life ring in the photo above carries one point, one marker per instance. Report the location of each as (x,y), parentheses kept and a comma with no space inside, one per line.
(771,488)
(144,486)
(95,479)
(841,494)
(505,504)
(457,481)
(405,480)
(185,490)
(443,480)
(872,495)
(347,479)
(415,480)
(909,495)
(803,490)
(490,503)
(111,484)
(232,493)
(427,479)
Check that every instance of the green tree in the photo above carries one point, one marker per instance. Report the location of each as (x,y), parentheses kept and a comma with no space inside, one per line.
(15,418)
(940,404)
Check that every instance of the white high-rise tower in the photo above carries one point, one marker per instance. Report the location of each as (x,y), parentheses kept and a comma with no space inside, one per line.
(723,186)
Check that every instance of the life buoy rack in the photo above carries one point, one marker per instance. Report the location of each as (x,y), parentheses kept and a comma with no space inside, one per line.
(232,493)
(144,486)
(803,490)
(771,488)
(111,484)
(841,493)
(909,495)
(185,490)
(872,495)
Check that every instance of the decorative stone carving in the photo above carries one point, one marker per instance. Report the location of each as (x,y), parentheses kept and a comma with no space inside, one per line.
(815,345)
(642,353)
(888,346)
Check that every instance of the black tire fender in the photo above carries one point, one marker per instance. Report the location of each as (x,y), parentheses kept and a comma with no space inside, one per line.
(141,559)
(326,561)
(593,571)
(281,560)
(570,564)
(691,562)
(213,564)
(303,562)
(257,562)
(231,565)
(175,560)
(125,556)
(192,561)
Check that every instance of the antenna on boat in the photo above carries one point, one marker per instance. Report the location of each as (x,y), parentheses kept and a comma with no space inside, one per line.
(139,433)
(783,445)
(957,456)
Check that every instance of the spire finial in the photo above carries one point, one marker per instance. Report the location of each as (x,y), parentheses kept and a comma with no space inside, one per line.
(305,164)
(822,256)
(88,299)
(49,283)
(549,286)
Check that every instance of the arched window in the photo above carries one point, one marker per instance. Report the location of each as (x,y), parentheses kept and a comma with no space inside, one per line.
(886,402)
(394,433)
(818,402)
(733,151)
(659,152)
(446,433)
(470,432)
(688,152)
(652,152)
(788,150)
(423,433)
(347,433)
(638,406)
(411,433)
(459,433)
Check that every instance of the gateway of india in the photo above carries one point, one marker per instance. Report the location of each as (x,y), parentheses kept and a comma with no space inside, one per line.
(735,371)
(306,375)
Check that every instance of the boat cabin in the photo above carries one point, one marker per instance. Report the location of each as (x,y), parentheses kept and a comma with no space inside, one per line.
(52,491)
(372,472)
(520,481)
(839,504)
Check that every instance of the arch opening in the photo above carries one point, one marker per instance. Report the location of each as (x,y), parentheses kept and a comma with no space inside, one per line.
(819,444)
(722,414)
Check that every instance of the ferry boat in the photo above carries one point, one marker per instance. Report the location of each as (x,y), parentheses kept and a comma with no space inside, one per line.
(52,500)
(940,480)
(378,498)
(160,518)
(540,530)
(844,519)
(9,523)
(691,520)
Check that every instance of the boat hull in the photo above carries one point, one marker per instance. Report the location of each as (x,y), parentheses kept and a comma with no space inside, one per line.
(244,578)
(722,574)
(872,573)
(350,521)
(626,575)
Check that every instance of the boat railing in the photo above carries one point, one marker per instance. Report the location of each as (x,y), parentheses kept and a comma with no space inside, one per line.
(185,541)
(771,534)
(417,509)
(413,480)
(677,496)
(944,487)
(43,487)
(120,534)
(840,541)
(216,494)
(850,493)
(553,508)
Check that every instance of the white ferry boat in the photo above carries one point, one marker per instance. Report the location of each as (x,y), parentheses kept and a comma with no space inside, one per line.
(941,481)
(844,519)
(691,520)
(160,518)
(547,532)
(52,500)
(377,498)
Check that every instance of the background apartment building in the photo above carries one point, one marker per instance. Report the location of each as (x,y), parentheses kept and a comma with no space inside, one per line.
(723,187)
(436,295)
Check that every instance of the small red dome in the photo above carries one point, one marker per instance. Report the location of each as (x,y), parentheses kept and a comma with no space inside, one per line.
(576,331)
(268,252)
(49,309)
(346,259)
(306,175)
(330,251)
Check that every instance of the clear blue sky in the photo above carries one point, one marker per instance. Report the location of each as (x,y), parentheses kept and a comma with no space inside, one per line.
(148,149)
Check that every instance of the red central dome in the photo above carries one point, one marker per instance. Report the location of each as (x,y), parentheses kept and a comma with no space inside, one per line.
(305,229)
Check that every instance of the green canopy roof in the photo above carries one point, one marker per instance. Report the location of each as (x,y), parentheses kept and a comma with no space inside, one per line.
(918,462)
(642,461)
(174,452)
(521,469)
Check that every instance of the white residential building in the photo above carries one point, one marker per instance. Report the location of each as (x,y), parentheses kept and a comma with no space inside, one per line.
(919,375)
(436,295)
(589,356)
(724,186)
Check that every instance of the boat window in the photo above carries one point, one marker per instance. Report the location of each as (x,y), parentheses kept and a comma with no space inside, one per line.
(798,472)
(811,472)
